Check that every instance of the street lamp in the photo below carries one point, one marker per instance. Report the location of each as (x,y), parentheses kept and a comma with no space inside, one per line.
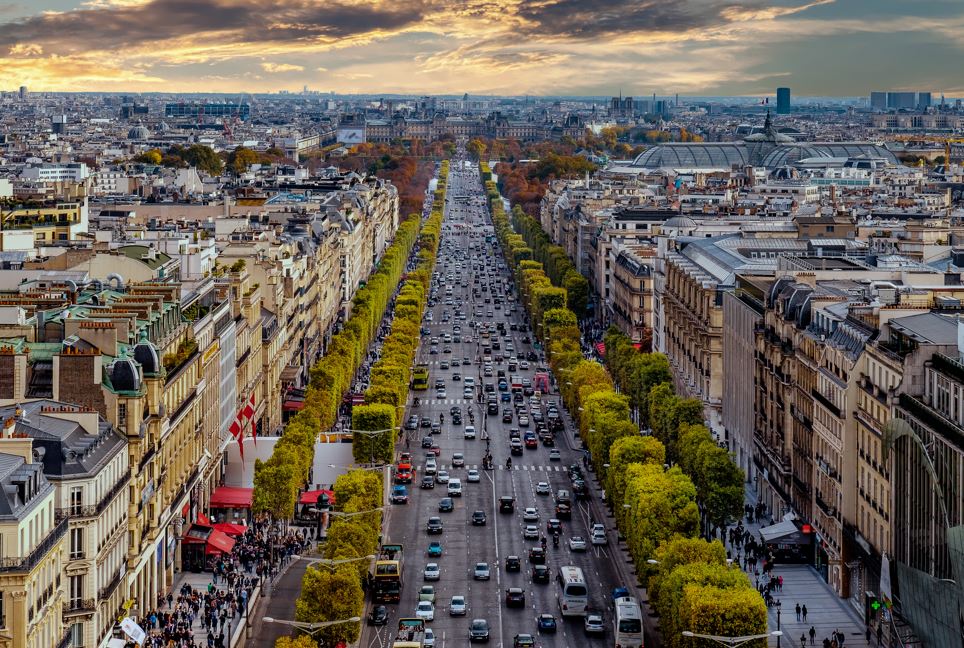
(341,514)
(731,641)
(356,467)
(311,628)
(331,564)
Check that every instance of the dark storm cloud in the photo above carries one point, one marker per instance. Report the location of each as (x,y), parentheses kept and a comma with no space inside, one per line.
(247,21)
(591,18)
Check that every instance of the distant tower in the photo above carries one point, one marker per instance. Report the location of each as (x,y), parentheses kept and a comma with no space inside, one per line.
(783,101)
(23,93)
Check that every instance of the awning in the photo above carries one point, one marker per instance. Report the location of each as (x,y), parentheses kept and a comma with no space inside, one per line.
(311,497)
(601,348)
(231,497)
(230,529)
(203,519)
(785,532)
(219,542)
(293,405)
(290,373)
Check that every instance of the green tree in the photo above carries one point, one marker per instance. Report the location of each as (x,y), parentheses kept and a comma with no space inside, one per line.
(577,292)
(731,612)
(301,641)
(203,158)
(363,486)
(377,448)
(275,489)
(331,595)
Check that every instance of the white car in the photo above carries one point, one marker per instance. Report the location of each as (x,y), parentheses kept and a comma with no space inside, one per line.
(470,429)
(457,607)
(530,515)
(523,364)
(524,420)
(430,467)
(481,571)
(598,535)
(473,476)
(432,572)
(428,638)
(442,477)
(439,393)
(577,543)
(531,532)
(425,611)
(542,488)
(467,392)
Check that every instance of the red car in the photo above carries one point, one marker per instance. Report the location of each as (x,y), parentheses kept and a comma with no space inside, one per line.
(436,449)
(531,442)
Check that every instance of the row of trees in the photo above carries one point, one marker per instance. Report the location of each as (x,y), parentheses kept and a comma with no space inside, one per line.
(278,480)
(334,592)
(391,376)
(206,159)
(657,506)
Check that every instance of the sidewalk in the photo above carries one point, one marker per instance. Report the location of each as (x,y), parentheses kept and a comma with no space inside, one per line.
(826,611)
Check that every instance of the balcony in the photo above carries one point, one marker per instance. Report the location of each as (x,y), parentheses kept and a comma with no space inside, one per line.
(88,511)
(147,457)
(80,606)
(105,592)
(28,563)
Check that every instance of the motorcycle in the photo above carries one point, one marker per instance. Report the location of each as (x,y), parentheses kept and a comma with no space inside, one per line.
(555,541)
(416,402)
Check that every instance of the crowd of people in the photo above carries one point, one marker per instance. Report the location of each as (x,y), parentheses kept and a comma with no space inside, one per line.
(195,617)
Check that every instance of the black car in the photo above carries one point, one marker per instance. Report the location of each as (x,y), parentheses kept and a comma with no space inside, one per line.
(378,616)
(513,563)
(537,556)
(531,356)
(507,415)
(428,481)
(506,504)
(427,442)
(492,409)
(426,422)
(479,630)
(553,525)
(446,505)
(540,574)
(478,518)
(434,526)
(515,597)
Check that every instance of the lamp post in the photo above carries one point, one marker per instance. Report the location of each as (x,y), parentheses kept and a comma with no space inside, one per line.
(311,629)
(732,641)
(330,563)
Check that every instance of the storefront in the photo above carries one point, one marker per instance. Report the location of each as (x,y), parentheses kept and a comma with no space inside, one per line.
(788,543)
(231,504)
(200,544)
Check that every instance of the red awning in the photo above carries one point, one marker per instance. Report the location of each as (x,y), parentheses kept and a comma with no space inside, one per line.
(293,405)
(601,348)
(311,497)
(230,529)
(219,542)
(231,497)
(203,519)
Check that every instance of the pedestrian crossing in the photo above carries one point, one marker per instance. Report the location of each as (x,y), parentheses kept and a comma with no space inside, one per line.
(516,467)
(445,401)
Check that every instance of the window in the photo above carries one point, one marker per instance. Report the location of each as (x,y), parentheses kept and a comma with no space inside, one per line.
(122,414)
(77,635)
(76,499)
(76,543)
(76,588)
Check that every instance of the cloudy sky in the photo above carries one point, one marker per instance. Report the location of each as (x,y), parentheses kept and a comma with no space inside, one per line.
(577,47)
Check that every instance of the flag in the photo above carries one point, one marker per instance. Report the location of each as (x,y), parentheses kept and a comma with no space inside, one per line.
(254,428)
(238,433)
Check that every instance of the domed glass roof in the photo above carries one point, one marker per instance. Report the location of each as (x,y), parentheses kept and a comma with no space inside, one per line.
(677,155)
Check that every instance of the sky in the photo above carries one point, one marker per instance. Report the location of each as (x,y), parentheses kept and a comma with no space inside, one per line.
(485,47)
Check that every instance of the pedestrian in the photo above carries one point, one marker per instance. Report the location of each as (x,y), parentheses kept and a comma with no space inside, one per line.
(803,641)
(813,633)
(780,581)
(798,611)
(867,635)
(803,610)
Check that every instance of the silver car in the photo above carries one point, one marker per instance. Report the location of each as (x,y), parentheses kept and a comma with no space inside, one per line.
(481,571)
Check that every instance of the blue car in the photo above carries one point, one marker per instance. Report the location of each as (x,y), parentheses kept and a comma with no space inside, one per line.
(399,494)
(434,549)
(547,623)
(505,397)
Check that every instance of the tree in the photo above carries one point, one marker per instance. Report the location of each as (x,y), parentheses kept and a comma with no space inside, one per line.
(331,595)
(275,489)
(662,505)
(203,158)
(577,292)
(476,148)
(153,156)
(301,641)
(727,612)
(363,486)
(241,159)
(373,447)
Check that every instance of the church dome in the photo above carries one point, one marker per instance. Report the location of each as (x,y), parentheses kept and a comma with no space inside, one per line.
(138,133)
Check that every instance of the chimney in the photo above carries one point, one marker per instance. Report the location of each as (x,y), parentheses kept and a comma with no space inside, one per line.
(9,426)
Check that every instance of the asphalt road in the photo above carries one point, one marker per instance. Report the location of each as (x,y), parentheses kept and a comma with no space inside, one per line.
(464,544)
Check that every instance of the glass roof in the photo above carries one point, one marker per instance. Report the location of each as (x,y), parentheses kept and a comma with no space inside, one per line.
(693,156)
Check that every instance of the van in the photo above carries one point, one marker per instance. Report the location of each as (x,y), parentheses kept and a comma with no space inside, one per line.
(455,487)
(564,497)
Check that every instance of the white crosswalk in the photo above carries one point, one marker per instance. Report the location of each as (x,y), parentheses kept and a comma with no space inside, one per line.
(516,467)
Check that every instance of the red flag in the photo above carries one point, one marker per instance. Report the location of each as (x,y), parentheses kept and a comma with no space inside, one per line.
(248,410)
(238,433)
(254,426)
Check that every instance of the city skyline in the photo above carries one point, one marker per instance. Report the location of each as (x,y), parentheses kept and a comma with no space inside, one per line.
(706,47)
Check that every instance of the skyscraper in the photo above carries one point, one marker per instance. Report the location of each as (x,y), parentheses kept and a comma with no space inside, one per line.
(23,92)
(783,101)
(878,101)
(901,100)
(923,100)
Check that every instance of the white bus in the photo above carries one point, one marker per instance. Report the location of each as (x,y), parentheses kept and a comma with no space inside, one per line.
(627,623)
(574,594)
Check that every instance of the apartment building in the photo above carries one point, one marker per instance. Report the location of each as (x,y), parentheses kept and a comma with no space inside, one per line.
(631,299)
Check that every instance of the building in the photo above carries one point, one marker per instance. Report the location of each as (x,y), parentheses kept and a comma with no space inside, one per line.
(631,302)
(195,110)
(783,101)
(901,100)
(75,172)
(923,101)
(878,101)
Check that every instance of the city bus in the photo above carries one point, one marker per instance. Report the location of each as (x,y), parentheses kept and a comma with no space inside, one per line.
(574,593)
(387,580)
(420,377)
(627,623)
